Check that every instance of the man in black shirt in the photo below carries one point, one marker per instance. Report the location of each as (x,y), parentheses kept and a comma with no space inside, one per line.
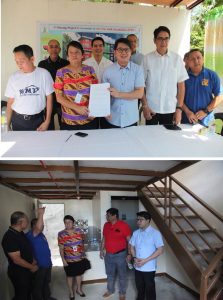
(52,64)
(18,251)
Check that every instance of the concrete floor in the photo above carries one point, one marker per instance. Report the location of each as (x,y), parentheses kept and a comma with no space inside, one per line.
(165,288)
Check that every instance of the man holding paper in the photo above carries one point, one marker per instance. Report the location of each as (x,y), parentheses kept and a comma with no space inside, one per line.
(127,86)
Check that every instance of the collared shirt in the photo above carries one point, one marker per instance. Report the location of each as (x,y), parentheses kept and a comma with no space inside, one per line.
(29,90)
(53,66)
(41,250)
(201,89)
(99,68)
(14,241)
(162,73)
(146,243)
(124,112)
(115,236)
(137,58)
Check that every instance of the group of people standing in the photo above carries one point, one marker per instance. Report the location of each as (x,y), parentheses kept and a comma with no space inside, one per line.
(159,80)
(29,256)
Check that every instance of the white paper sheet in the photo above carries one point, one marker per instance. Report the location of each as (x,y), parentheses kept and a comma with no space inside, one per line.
(99,102)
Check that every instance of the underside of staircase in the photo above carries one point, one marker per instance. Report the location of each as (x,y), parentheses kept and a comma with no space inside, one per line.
(181,216)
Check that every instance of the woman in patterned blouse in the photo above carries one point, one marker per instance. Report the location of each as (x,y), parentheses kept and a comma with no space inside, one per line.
(72,88)
(71,245)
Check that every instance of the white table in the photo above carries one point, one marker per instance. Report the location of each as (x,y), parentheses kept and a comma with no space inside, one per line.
(133,142)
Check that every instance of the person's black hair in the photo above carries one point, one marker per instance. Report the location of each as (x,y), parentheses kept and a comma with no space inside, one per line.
(77,45)
(26,49)
(113,211)
(195,50)
(68,217)
(97,38)
(33,222)
(16,216)
(132,34)
(144,214)
(159,29)
(123,41)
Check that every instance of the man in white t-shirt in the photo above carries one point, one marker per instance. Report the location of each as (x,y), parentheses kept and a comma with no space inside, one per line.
(97,60)
(146,245)
(165,74)
(29,90)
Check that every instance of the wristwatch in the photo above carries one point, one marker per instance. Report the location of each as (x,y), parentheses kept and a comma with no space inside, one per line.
(179,107)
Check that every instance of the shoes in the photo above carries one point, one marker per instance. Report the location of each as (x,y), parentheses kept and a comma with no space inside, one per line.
(72,298)
(122,297)
(107,295)
(81,294)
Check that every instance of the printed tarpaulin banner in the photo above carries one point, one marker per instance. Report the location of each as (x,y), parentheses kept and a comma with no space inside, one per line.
(84,33)
(213,45)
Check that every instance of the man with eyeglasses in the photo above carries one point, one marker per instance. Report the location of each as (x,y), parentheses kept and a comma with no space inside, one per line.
(165,74)
(127,85)
(116,234)
(146,245)
(53,63)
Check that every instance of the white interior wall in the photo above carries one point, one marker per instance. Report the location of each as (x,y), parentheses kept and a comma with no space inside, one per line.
(10,201)
(20,23)
(205,180)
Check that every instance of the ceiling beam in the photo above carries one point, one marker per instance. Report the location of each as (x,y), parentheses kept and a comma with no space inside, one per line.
(71,180)
(175,3)
(77,177)
(70,169)
(190,6)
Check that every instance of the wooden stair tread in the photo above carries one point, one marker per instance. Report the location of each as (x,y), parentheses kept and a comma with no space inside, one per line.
(177,205)
(192,231)
(205,250)
(189,217)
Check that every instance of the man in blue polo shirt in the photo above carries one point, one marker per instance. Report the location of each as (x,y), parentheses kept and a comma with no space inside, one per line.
(203,91)
(127,86)
(41,252)
(146,245)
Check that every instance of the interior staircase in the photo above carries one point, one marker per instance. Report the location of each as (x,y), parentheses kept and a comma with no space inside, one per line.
(186,221)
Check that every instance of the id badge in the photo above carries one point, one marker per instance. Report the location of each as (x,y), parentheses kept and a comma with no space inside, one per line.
(74,248)
(78,98)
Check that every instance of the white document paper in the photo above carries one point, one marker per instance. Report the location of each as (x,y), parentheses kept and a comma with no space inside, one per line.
(99,102)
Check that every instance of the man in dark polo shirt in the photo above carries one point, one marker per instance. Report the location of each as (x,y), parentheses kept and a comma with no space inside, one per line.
(19,254)
(53,63)
(116,235)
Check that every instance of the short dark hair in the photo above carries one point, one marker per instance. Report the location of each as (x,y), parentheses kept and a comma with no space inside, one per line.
(97,38)
(132,34)
(113,211)
(159,29)
(75,44)
(144,214)
(123,41)
(68,217)
(26,49)
(16,216)
(33,222)
(195,50)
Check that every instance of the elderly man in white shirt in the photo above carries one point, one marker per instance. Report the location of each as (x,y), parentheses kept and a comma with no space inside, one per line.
(146,245)
(97,60)
(165,74)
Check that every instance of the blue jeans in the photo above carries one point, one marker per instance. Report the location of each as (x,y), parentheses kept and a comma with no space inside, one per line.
(116,263)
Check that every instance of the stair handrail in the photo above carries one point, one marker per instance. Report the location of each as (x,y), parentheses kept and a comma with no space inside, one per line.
(205,285)
(204,204)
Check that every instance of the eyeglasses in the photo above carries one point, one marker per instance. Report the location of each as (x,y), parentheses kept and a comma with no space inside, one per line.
(161,39)
(140,220)
(121,50)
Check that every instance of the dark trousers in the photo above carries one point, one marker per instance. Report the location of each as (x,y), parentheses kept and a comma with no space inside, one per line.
(91,125)
(161,119)
(21,280)
(25,123)
(104,124)
(41,282)
(145,285)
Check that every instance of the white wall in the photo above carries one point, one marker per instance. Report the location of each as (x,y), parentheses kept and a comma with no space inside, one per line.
(10,201)
(205,179)
(20,23)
